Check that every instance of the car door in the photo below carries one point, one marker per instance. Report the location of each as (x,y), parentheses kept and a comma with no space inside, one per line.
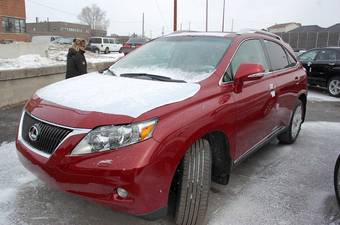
(308,61)
(288,79)
(255,103)
(324,65)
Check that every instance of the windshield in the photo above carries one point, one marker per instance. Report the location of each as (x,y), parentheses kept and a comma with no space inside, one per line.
(95,41)
(188,58)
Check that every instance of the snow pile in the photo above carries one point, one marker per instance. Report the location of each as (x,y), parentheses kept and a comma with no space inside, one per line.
(27,61)
(55,55)
(318,96)
(59,53)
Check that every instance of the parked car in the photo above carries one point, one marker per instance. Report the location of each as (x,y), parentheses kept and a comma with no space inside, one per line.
(162,123)
(63,41)
(44,39)
(105,45)
(6,42)
(92,48)
(323,68)
(132,44)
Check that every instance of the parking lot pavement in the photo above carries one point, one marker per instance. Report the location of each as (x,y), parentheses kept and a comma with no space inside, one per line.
(277,185)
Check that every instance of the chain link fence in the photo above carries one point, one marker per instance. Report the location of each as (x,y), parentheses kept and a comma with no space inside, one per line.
(309,40)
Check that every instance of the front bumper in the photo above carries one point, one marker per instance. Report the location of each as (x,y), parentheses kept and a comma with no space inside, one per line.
(98,175)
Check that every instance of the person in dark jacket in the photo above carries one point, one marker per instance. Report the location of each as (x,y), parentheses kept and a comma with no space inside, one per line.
(76,63)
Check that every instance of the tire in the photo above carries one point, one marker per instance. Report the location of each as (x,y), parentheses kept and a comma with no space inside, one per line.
(107,51)
(290,135)
(97,51)
(333,86)
(336,180)
(194,185)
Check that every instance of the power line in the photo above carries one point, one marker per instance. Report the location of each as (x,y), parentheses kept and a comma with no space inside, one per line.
(55,9)
(161,14)
(73,14)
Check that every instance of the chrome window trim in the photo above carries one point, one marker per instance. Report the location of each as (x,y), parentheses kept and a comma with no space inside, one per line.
(75,131)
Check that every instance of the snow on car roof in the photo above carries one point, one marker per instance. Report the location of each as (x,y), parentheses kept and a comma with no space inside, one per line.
(196,33)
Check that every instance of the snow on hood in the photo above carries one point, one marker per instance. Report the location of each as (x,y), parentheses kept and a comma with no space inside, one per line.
(116,95)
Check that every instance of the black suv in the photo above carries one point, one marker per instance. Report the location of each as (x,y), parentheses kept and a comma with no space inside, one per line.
(323,68)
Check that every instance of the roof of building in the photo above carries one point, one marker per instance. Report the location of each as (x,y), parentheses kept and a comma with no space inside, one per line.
(283,25)
(309,28)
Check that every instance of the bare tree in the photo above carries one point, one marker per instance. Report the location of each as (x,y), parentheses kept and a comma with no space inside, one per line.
(94,17)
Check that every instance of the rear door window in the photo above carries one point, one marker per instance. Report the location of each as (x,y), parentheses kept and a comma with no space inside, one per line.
(106,41)
(326,55)
(277,56)
(112,41)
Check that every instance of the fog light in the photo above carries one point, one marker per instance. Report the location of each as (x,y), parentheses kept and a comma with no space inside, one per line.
(122,192)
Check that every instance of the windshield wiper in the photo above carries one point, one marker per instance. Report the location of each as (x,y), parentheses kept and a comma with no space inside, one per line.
(150,77)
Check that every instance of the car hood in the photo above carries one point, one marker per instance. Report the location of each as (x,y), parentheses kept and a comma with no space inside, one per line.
(96,92)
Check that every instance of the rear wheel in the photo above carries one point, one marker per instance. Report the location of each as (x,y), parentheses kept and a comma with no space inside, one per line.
(97,51)
(291,134)
(194,184)
(334,86)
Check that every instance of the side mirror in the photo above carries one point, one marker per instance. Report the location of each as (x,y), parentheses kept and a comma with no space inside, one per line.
(247,72)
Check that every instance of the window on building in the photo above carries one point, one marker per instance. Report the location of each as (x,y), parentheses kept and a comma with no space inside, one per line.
(13,25)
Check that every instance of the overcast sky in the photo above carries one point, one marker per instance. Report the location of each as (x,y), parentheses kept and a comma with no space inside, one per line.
(126,15)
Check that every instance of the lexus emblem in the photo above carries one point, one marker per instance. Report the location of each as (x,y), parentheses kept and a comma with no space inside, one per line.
(33,132)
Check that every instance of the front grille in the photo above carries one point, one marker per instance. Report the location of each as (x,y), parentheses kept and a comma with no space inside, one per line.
(46,137)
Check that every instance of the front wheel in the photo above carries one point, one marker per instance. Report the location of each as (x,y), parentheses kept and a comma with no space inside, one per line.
(194,185)
(293,130)
(334,86)
(107,51)
(337,180)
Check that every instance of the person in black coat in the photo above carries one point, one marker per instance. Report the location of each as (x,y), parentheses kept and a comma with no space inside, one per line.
(76,63)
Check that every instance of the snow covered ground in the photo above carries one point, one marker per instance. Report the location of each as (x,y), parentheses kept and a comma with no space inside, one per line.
(55,55)
(317,95)
(279,184)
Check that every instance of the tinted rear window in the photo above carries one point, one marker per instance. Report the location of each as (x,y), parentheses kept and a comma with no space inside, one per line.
(95,41)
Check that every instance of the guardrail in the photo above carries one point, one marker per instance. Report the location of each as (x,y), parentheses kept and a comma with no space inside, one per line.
(18,85)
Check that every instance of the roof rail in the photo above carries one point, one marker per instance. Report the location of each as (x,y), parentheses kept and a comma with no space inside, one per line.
(263,32)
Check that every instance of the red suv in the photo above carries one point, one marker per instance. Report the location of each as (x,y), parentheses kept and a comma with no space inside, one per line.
(162,123)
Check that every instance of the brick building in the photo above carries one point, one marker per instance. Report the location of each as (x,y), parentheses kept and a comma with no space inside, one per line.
(63,29)
(13,20)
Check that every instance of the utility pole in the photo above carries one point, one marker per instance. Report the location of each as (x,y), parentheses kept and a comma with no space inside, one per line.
(206,16)
(143,26)
(232,25)
(175,15)
(223,16)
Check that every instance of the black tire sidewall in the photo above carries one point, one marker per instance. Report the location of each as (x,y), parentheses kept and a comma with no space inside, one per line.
(336,187)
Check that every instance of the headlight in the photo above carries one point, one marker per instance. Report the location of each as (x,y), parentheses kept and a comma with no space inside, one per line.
(112,137)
